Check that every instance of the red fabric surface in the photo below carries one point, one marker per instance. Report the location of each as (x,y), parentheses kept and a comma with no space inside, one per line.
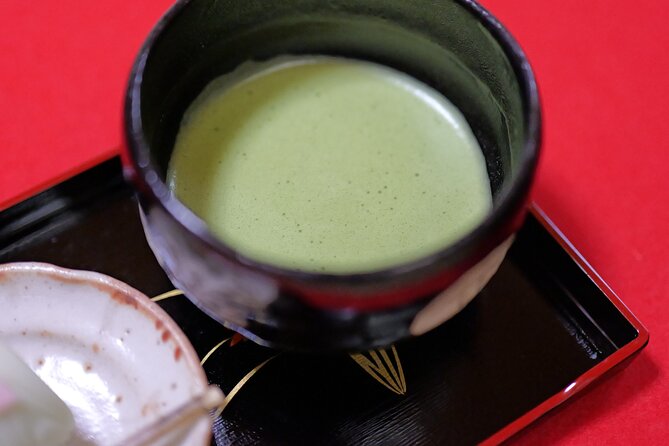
(602,69)
(63,68)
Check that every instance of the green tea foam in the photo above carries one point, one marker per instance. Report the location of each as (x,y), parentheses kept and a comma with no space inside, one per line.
(329,165)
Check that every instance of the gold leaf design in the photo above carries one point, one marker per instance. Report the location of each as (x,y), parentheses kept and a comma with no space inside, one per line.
(387,372)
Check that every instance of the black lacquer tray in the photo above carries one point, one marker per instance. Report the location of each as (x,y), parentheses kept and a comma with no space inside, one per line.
(544,328)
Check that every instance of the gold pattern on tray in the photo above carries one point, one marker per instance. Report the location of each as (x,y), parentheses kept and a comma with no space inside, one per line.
(167,295)
(211,352)
(240,384)
(234,339)
(380,367)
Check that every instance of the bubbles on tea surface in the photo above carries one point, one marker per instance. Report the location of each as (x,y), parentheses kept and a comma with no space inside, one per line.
(352,201)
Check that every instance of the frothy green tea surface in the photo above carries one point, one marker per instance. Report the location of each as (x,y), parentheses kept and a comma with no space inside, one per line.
(329,165)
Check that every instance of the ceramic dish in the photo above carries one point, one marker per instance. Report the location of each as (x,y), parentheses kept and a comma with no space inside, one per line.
(116,359)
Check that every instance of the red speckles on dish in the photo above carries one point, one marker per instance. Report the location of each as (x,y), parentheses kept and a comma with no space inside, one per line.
(123,298)
(151,407)
(122,327)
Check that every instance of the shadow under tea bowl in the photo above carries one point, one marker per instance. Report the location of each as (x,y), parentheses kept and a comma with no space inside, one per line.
(455,47)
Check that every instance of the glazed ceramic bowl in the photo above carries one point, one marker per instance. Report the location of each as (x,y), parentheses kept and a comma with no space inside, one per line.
(114,357)
(456,47)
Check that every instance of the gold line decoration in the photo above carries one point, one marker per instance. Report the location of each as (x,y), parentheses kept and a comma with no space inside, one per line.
(234,339)
(216,347)
(239,385)
(387,372)
(167,295)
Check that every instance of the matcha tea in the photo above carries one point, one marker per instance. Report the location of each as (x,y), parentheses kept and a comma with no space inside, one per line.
(329,165)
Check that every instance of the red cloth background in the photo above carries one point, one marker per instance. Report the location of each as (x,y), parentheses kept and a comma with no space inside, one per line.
(603,72)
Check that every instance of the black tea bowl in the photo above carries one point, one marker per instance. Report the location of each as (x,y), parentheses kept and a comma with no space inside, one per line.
(455,46)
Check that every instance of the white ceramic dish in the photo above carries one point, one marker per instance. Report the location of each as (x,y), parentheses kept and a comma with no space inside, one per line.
(116,359)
